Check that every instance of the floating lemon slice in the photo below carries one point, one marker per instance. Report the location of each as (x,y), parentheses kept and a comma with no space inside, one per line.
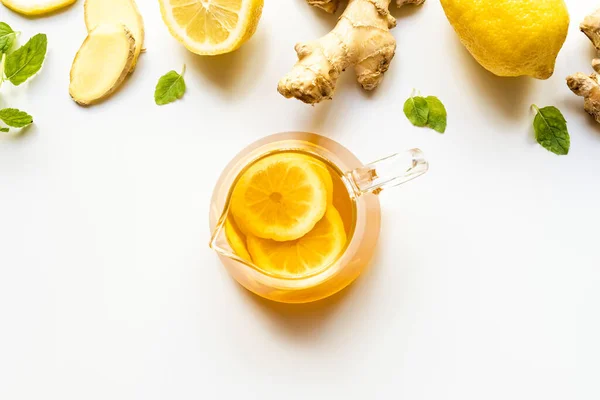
(209,27)
(36,7)
(236,240)
(280,197)
(316,250)
(323,172)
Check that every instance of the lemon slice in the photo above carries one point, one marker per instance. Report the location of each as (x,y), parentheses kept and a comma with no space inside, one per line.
(209,27)
(236,240)
(316,250)
(36,7)
(280,197)
(323,172)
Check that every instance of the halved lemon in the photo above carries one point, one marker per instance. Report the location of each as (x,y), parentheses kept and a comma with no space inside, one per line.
(36,7)
(210,27)
(236,240)
(314,251)
(280,197)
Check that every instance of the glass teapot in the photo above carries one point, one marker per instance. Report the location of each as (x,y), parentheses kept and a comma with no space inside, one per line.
(356,190)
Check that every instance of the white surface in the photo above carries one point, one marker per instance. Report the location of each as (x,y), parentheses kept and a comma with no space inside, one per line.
(486,281)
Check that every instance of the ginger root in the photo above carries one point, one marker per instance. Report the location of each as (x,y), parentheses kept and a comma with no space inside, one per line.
(587,87)
(328,5)
(581,84)
(361,39)
(591,28)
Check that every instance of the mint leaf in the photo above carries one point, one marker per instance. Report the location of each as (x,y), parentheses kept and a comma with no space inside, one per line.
(15,118)
(27,60)
(437,119)
(3,129)
(7,37)
(416,110)
(551,130)
(169,88)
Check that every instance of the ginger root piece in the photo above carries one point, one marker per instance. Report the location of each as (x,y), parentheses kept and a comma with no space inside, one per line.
(591,28)
(124,12)
(361,39)
(587,87)
(328,5)
(102,63)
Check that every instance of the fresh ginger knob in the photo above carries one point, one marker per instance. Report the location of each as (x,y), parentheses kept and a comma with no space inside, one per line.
(585,86)
(360,39)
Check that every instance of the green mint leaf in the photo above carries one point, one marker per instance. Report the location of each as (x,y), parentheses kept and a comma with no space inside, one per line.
(437,114)
(416,110)
(27,60)
(3,129)
(15,118)
(169,88)
(7,37)
(551,130)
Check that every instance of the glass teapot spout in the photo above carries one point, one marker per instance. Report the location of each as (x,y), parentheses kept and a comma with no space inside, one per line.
(223,241)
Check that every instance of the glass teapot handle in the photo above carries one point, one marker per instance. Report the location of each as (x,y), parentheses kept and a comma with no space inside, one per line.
(389,172)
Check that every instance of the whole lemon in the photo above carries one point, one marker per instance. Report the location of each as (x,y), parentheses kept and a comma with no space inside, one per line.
(511,37)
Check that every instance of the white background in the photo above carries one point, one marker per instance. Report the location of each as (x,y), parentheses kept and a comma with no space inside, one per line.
(485,285)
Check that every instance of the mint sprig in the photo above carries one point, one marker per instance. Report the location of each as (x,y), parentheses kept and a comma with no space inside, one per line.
(15,118)
(7,37)
(426,111)
(26,61)
(170,87)
(416,110)
(437,114)
(551,131)
(17,66)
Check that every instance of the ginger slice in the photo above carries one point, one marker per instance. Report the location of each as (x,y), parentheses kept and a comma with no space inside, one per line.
(102,63)
(361,39)
(125,12)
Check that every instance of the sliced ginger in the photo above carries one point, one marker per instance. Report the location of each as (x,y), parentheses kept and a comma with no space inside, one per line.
(102,63)
(123,12)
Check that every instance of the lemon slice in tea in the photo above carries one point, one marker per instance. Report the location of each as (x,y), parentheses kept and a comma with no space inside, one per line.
(280,197)
(316,250)
(236,240)
(323,172)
